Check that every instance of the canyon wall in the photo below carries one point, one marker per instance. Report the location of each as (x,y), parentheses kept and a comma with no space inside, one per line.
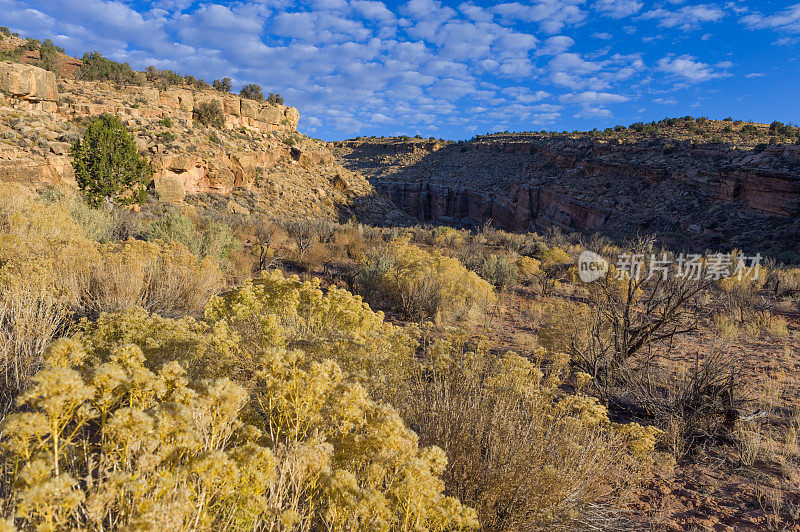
(683,191)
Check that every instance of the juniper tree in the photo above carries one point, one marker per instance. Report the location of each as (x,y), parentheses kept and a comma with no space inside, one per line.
(108,165)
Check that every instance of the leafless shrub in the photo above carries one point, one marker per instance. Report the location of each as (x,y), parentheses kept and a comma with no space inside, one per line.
(29,321)
(628,314)
(699,404)
(267,239)
(304,232)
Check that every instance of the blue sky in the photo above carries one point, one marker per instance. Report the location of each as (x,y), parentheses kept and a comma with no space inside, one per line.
(452,68)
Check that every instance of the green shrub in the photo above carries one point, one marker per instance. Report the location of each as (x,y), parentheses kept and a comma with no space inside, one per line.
(215,240)
(748,131)
(163,78)
(218,242)
(210,114)
(252,92)
(97,224)
(498,270)
(108,165)
(197,83)
(275,99)
(166,136)
(177,228)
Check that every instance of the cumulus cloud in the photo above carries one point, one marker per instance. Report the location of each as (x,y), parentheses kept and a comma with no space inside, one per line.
(367,66)
(551,15)
(685,18)
(688,68)
(556,45)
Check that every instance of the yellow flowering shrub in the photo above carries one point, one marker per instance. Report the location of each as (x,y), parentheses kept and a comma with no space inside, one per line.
(641,440)
(554,256)
(105,439)
(43,249)
(50,271)
(448,237)
(430,285)
(528,270)
(279,311)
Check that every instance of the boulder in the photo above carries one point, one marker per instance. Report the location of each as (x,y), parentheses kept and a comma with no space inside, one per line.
(177,99)
(208,97)
(169,189)
(293,116)
(232,105)
(180,163)
(249,108)
(27,82)
(146,95)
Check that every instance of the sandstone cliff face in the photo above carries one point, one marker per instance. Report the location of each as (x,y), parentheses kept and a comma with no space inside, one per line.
(258,151)
(32,93)
(34,87)
(688,194)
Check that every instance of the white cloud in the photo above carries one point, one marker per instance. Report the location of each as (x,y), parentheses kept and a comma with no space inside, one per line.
(685,18)
(690,69)
(525,95)
(618,8)
(359,65)
(594,112)
(551,15)
(787,20)
(556,45)
(475,13)
(665,101)
(592,98)
(373,10)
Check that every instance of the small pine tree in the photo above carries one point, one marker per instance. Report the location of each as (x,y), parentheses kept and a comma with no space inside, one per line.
(275,98)
(107,164)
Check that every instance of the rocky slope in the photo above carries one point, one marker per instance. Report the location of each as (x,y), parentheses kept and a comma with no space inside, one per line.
(692,194)
(258,149)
